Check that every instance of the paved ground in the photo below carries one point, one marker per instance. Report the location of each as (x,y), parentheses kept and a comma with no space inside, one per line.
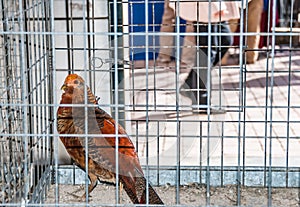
(262,119)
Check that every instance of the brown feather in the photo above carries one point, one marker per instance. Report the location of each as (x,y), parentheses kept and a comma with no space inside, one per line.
(101,150)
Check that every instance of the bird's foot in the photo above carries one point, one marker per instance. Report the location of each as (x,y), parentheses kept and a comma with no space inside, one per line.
(80,188)
(83,197)
(80,198)
(74,195)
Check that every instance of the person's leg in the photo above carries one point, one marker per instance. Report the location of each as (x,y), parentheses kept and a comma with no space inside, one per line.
(188,51)
(222,42)
(166,42)
(233,25)
(255,8)
(197,79)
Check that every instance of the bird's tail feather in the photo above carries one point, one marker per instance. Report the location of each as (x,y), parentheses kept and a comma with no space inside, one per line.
(129,188)
(153,197)
(141,185)
(137,192)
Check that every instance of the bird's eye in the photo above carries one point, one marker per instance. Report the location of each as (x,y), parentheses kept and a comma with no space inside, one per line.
(75,81)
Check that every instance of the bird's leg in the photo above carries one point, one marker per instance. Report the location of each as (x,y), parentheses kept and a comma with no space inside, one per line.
(121,187)
(73,193)
(120,191)
(94,182)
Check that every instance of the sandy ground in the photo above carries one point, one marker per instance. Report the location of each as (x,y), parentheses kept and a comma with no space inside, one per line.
(190,195)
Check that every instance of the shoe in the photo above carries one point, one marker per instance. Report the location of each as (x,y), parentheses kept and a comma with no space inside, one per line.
(201,106)
(200,110)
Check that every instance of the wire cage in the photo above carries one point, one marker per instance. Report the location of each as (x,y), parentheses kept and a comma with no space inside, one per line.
(209,128)
(26,121)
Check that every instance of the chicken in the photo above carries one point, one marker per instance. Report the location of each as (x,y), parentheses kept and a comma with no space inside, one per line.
(99,127)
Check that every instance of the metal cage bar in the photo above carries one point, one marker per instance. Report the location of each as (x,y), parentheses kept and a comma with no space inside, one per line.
(26,117)
(236,146)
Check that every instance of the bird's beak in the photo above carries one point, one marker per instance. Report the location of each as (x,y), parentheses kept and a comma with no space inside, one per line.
(64,87)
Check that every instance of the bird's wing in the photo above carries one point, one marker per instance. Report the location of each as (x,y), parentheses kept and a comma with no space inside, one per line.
(102,151)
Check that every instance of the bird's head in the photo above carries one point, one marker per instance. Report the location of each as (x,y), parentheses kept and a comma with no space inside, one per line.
(73,82)
(74,90)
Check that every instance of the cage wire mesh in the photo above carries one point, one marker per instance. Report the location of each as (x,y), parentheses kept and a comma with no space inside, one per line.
(26,125)
(228,137)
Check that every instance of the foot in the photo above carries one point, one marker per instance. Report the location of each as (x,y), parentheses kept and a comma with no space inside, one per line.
(199,105)
(79,198)
(200,110)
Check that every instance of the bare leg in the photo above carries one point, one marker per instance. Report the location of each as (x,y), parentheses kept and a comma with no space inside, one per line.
(188,54)
(166,42)
(255,8)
